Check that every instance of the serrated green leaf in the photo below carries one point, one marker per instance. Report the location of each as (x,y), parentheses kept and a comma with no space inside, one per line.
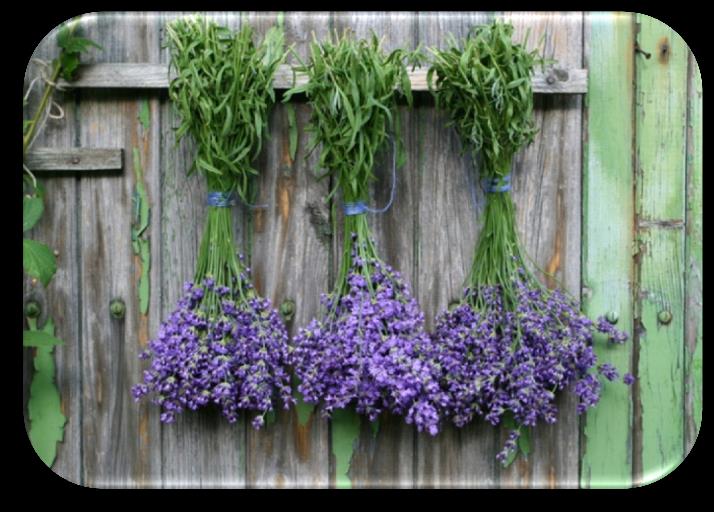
(32,208)
(44,406)
(38,261)
(69,63)
(39,339)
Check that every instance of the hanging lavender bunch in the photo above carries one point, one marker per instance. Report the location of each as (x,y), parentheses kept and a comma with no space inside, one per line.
(370,349)
(223,344)
(511,344)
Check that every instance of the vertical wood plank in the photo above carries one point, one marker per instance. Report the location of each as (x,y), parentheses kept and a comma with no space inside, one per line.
(201,449)
(121,439)
(547,182)
(693,261)
(384,451)
(57,229)
(608,210)
(290,258)
(448,226)
(660,174)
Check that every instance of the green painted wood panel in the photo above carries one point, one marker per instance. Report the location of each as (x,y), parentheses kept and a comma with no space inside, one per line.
(661,113)
(693,263)
(608,209)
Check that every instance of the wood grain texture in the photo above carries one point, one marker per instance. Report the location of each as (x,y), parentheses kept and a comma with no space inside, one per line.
(123,75)
(201,449)
(121,439)
(547,194)
(448,223)
(693,261)
(661,171)
(58,228)
(289,256)
(384,453)
(428,234)
(607,245)
(74,159)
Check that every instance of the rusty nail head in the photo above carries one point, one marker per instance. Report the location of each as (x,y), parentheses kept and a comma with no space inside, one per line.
(75,160)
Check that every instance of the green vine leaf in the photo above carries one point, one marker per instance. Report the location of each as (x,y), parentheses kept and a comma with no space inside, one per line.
(44,406)
(71,48)
(38,261)
(32,208)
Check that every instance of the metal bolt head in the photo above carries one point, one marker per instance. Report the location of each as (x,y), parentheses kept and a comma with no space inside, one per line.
(75,160)
(612,317)
(117,308)
(32,309)
(664,316)
(550,79)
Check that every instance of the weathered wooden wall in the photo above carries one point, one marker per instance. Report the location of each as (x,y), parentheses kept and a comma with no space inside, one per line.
(609,200)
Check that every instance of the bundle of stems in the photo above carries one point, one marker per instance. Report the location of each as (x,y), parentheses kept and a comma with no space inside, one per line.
(369,350)
(511,343)
(223,343)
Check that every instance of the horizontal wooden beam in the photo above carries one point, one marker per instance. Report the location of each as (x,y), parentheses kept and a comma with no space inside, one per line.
(75,159)
(155,76)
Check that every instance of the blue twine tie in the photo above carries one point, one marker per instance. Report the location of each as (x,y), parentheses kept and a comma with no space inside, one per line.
(227,199)
(360,207)
(497,184)
(221,199)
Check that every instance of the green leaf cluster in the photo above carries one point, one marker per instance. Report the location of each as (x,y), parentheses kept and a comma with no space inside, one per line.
(71,46)
(353,87)
(223,92)
(484,85)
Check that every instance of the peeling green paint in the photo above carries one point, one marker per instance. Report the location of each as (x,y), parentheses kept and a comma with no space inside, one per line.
(139,237)
(345,432)
(44,406)
(693,329)
(144,114)
(661,141)
(303,411)
(608,247)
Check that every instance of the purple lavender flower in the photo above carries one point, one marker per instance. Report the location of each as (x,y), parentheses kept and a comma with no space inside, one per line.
(371,351)
(628,379)
(497,359)
(236,358)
